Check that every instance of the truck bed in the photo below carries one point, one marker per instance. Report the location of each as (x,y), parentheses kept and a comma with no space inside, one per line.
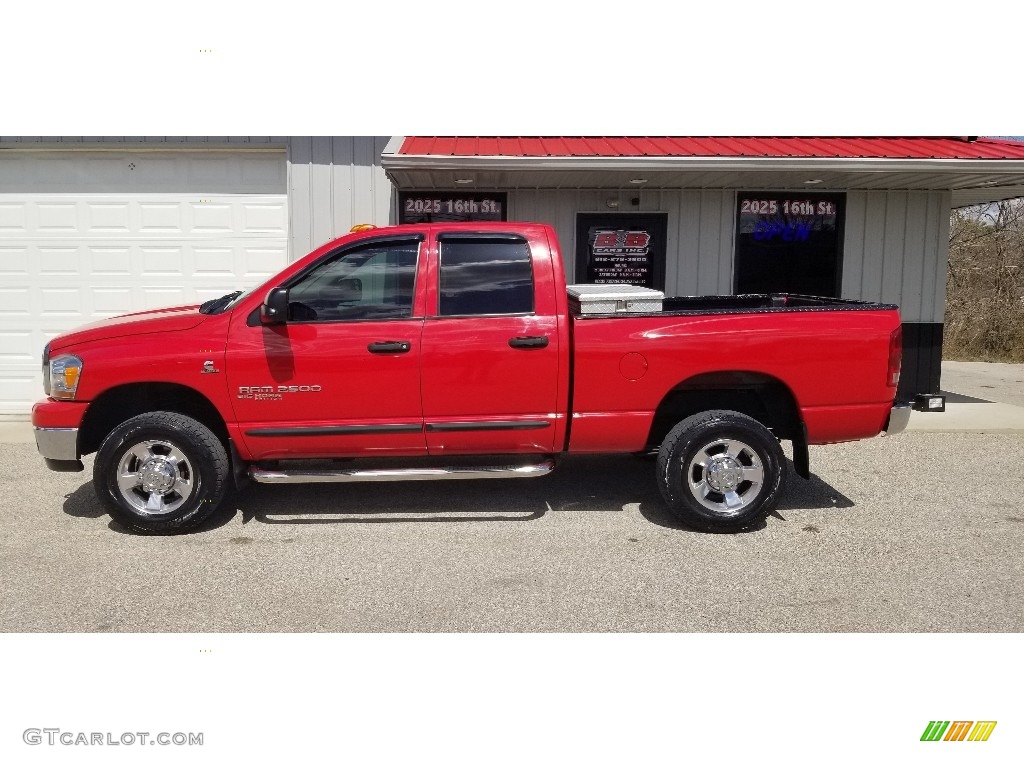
(833,368)
(743,303)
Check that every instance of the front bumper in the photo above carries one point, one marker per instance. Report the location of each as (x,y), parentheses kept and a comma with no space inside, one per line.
(56,430)
(59,448)
(57,443)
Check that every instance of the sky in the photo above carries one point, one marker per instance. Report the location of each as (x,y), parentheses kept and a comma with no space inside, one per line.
(533,68)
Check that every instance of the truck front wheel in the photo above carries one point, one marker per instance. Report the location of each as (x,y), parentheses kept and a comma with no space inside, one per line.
(161,472)
(720,471)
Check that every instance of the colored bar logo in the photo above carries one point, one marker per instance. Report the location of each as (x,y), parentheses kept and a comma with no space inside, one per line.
(958,730)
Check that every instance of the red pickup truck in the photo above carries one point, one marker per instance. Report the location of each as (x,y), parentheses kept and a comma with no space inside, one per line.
(447,351)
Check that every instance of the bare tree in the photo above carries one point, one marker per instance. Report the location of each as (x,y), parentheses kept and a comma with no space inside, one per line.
(985,283)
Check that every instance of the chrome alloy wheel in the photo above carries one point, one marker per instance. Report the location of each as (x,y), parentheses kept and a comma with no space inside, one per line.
(725,476)
(155,477)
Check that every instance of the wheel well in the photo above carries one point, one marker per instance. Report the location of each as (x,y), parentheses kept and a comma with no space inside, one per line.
(757,395)
(119,404)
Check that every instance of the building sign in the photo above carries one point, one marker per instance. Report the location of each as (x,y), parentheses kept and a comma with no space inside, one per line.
(789,243)
(619,256)
(621,249)
(419,207)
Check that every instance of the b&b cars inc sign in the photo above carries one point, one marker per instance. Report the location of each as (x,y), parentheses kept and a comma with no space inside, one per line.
(620,256)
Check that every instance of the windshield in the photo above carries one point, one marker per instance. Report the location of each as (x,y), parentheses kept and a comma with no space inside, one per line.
(224,303)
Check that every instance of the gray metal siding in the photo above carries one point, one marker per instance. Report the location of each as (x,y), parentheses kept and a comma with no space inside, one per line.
(549,206)
(336,182)
(940,247)
(895,250)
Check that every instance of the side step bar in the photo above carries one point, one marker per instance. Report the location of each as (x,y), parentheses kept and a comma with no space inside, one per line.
(261,475)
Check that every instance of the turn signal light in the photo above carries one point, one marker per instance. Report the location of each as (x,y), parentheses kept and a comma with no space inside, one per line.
(65,371)
(71,377)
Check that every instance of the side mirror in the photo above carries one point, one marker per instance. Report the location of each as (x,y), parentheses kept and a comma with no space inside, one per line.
(275,307)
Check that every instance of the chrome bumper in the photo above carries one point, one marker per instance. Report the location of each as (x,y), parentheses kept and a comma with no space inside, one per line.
(899,417)
(59,444)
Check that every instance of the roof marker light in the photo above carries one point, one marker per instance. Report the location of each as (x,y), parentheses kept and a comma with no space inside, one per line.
(362,227)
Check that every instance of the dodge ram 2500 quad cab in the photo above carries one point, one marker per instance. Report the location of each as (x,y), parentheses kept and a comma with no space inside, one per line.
(448,351)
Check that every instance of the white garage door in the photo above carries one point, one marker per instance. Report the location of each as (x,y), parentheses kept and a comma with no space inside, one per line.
(90,234)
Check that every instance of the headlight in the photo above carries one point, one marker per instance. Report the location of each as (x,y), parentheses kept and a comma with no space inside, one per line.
(65,372)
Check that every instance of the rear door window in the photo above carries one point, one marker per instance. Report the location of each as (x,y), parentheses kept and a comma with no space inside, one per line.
(485,275)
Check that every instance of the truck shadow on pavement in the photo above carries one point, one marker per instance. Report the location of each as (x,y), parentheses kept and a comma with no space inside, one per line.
(588,485)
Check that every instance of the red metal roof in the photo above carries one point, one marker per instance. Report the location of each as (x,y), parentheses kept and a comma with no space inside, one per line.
(896,147)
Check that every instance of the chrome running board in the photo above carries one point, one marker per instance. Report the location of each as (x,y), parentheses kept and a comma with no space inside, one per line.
(261,475)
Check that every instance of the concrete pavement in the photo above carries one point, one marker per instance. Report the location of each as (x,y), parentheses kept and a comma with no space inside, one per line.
(888,535)
(19,431)
(989,382)
(980,397)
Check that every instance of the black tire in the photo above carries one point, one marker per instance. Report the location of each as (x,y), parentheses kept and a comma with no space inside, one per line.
(720,471)
(161,472)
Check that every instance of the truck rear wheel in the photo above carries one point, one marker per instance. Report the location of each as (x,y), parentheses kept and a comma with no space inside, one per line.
(720,471)
(161,472)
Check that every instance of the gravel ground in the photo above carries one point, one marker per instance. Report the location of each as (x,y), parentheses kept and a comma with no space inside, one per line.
(916,533)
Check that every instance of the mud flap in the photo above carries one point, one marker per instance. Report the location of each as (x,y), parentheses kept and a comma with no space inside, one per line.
(239,467)
(801,456)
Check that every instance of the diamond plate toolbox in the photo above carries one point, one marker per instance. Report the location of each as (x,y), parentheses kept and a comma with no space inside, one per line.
(613,298)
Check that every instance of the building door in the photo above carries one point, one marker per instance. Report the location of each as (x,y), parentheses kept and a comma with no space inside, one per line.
(621,248)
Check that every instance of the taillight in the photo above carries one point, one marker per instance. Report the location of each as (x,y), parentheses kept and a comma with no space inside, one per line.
(892,376)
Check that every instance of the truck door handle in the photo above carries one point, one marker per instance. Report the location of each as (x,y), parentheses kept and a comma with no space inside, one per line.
(528,342)
(383,347)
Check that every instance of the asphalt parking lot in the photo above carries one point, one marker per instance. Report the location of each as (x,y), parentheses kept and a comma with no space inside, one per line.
(919,532)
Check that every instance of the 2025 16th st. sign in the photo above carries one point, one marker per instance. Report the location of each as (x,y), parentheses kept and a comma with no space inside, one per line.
(422,207)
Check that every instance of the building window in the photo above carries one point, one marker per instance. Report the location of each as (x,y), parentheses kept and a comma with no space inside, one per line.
(789,243)
(485,276)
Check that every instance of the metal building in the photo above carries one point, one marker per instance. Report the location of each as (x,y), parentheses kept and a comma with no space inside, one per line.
(93,227)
